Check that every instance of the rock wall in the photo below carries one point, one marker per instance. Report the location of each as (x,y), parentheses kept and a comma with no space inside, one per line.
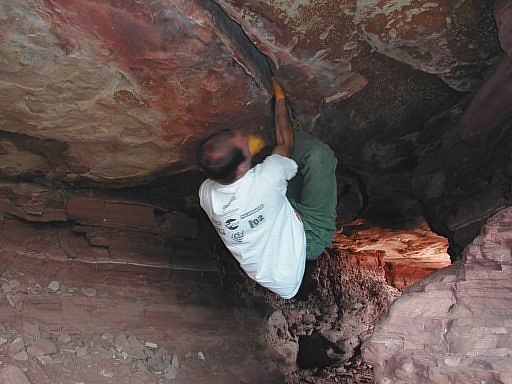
(89,226)
(465,176)
(113,92)
(455,325)
(107,93)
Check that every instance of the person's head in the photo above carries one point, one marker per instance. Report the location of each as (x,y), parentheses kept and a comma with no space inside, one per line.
(224,156)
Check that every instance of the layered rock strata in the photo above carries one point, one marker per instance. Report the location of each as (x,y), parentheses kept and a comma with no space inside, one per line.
(455,325)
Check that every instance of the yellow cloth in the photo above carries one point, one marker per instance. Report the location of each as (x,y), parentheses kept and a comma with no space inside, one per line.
(256,144)
(278,91)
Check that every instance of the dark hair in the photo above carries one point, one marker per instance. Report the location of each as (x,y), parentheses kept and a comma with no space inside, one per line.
(218,158)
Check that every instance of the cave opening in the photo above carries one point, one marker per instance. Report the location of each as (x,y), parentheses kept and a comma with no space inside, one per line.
(110,271)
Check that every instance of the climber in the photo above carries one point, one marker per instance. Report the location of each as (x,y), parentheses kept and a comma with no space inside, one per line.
(269,225)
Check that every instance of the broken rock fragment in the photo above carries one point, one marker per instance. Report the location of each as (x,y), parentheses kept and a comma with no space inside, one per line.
(11,374)
(89,292)
(21,356)
(42,347)
(8,286)
(81,352)
(32,330)
(54,286)
(16,346)
(63,338)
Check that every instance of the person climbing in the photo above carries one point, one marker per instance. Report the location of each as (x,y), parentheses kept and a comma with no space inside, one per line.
(278,214)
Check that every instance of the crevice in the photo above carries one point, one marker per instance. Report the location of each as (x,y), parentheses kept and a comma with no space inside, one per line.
(246,54)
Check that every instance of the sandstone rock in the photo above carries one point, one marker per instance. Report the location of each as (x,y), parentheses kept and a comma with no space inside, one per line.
(2,341)
(171,373)
(32,202)
(21,356)
(130,346)
(470,168)
(135,348)
(54,286)
(427,36)
(63,338)
(453,325)
(89,292)
(75,112)
(177,224)
(116,122)
(107,373)
(11,374)
(48,360)
(111,213)
(16,346)
(315,71)
(31,330)
(281,340)
(151,345)
(42,347)
(175,362)
(82,352)
(10,285)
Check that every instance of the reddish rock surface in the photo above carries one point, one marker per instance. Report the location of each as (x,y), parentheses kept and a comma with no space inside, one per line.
(99,229)
(115,91)
(455,325)
(326,51)
(403,256)
(466,176)
(107,93)
(122,324)
(450,39)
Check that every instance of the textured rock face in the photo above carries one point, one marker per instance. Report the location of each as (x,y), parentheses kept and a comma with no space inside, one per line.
(466,176)
(325,52)
(115,91)
(455,325)
(109,93)
(451,39)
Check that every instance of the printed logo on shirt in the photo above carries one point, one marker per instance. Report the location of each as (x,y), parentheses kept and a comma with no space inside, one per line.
(232,224)
(252,212)
(238,236)
(229,213)
(257,221)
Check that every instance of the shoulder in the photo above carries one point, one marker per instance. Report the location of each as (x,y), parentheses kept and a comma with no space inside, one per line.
(205,185)
(278,167)
(205,189)
(280,161)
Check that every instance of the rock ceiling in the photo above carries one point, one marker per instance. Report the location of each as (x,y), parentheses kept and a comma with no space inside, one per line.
(113,93)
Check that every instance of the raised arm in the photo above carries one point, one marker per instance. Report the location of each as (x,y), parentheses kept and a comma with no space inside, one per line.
(283,125)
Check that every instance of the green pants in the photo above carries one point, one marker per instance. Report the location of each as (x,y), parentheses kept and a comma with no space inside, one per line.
(312,192)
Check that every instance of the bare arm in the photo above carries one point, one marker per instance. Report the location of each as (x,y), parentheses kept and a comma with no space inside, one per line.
(284,129)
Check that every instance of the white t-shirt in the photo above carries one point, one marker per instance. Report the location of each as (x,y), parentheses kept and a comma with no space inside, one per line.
(259,226)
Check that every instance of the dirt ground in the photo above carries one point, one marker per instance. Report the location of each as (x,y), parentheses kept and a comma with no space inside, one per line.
(73,322)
